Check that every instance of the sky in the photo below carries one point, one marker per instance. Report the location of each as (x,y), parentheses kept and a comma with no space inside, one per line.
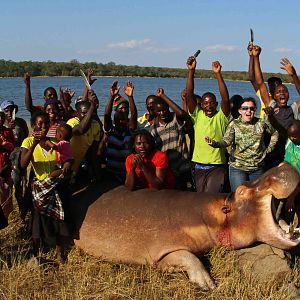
(160,33)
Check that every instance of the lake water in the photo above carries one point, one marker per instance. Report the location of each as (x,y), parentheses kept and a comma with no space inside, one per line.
(14,89)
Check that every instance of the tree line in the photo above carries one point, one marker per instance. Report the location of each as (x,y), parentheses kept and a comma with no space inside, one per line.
(9,68)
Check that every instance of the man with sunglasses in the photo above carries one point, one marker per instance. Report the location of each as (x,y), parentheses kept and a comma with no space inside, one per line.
(246,135)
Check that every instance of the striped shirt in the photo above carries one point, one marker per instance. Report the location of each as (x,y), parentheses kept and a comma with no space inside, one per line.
(170,138)
(117,149)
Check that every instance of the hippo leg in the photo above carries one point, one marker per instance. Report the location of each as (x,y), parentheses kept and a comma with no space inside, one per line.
(190,263)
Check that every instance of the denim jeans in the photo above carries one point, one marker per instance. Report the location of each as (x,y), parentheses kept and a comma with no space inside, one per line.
(237,176)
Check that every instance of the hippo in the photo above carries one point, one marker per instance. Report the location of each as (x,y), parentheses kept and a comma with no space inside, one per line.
(169,229)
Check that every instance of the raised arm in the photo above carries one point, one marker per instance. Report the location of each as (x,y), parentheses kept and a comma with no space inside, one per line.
(259,77)
(84,124)
(91,80)
(128,90)
(28,98)
(225,104)
(191,102)
(289,68)
(114,90)
(180,113)
(251,73)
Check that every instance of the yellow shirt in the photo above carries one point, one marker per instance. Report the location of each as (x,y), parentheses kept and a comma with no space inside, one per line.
(262,114)
(262,105)
(213,127)
(81,143)
(43,161)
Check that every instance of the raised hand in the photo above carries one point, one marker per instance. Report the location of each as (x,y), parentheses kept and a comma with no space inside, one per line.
(250,48)
(191,63)
(216,67)
(128,89)
(92,97)
(160,92)
(26,78)
(38,135)
(287,66)
(256,50)
(90,73)
(114,88)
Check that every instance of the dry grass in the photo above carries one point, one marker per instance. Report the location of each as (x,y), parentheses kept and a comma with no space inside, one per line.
(85,277)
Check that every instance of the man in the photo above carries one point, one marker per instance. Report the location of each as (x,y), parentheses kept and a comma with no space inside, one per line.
(210,163)
(169,134)
(86,132)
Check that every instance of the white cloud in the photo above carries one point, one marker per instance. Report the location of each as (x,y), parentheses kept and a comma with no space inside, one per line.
(129,44)
(221,48)
(282,50)
(144,45)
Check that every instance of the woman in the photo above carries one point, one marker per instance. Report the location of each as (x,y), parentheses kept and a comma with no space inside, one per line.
(52,110)
(246,136)
(7,144)
(49,215)
(147,167)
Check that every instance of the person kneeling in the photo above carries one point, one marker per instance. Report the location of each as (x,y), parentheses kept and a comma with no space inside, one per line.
(147,167)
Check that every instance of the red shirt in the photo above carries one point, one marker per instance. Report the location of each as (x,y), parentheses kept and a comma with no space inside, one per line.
(156,160)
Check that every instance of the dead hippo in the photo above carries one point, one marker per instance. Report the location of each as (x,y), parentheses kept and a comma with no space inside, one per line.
(170,228)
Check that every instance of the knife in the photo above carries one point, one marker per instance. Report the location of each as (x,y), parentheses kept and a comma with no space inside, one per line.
(197,53)
(251,36)
(87,84)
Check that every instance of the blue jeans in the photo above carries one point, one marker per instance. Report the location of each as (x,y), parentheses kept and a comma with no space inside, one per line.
(237,176)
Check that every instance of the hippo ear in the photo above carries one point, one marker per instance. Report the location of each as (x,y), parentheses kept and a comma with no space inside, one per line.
(240,190)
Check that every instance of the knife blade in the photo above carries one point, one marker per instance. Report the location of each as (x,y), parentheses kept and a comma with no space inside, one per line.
(87,84)
(197,53)
(251,36)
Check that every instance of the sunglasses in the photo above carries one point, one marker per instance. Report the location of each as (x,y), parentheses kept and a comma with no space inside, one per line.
(252,108)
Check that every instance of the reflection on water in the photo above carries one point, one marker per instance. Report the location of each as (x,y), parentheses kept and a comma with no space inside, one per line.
(14,89)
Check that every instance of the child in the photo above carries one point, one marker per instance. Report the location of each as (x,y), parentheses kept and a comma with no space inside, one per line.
(292,156)
(292,148)
(63,148)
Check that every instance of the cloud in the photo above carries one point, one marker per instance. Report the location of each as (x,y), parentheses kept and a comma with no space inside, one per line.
(143,44)
(129,44)
(221,48)
(282,50)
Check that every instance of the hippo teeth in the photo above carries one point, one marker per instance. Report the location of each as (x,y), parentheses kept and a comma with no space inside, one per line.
(284,226)
(292,227)
(291,231)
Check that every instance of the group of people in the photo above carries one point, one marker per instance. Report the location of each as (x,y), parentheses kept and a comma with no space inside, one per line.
(69,147)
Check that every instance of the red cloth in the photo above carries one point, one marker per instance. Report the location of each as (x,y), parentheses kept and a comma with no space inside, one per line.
(157,159)
(7,139)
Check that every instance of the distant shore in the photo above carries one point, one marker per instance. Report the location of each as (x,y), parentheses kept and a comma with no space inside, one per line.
(72,68)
